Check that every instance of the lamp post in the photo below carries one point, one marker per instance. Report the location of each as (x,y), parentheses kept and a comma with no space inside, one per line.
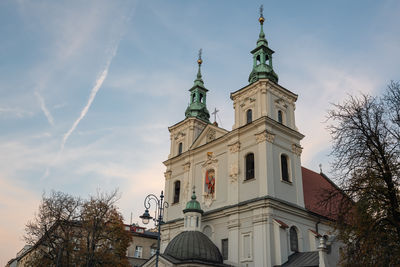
(159,214)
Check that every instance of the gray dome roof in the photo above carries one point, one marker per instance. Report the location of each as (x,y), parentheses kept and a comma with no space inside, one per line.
(193,245)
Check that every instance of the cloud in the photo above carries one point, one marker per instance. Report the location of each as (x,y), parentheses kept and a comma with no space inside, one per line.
(44,108)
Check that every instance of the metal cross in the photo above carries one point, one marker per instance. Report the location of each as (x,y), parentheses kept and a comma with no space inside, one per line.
(200,51)
(261,11)
(215,114)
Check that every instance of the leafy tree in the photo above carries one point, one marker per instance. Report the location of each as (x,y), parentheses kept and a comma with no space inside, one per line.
(366,150)
(69,231)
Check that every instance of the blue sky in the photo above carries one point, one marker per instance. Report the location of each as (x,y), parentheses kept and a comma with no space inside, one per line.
(88,88)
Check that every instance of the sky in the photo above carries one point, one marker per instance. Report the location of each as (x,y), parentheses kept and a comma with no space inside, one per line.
(88,88)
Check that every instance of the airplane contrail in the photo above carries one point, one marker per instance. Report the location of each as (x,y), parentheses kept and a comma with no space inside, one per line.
(44,108)
(93,92)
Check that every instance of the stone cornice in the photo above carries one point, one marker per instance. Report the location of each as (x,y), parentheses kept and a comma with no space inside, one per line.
(273,87)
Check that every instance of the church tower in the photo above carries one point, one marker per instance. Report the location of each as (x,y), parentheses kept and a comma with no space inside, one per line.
(197,107)
(262,58)
(183,134)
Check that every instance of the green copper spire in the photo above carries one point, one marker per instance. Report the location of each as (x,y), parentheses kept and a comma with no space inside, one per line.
(193,205)
(262,57)
(197,105)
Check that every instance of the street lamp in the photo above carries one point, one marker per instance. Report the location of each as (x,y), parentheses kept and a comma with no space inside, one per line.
(159,214)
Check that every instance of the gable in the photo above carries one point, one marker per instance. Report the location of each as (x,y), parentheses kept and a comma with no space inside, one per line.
(209,134)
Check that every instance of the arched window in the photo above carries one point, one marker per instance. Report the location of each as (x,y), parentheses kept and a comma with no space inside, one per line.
(294,242)
(201,98)
(280,116)
(285,168)
(177,191)
(180,148)
(250,166)
(249,116)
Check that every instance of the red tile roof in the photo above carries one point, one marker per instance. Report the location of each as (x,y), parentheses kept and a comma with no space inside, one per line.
(315,186)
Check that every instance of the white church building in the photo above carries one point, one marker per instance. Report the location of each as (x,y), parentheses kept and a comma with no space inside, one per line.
(254,204)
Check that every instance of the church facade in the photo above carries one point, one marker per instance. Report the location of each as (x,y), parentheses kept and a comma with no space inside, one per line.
(248,181)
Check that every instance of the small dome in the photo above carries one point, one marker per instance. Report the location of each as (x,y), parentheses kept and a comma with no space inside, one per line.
(193,245)
(193,205)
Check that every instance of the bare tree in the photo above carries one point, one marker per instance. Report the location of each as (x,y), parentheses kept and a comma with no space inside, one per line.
(68,231)
(366,148)
(50,230)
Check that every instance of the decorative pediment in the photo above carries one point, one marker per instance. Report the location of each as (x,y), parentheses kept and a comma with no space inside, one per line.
(209,134)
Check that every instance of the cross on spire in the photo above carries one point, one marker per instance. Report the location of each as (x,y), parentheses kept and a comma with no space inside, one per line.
(215,114)
(261,11)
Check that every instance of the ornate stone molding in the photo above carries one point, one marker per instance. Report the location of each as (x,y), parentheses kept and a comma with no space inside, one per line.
(186,167)
(211,160)
(233,173)
(296,149)
(211,134)
(167,175)
(208,199)
(235,147)
(264,136)
(179,135)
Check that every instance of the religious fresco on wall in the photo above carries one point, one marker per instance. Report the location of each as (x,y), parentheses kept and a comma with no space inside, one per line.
(210,182)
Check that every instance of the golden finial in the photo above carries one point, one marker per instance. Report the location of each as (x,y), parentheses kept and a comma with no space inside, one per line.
(200,60)
(261,19)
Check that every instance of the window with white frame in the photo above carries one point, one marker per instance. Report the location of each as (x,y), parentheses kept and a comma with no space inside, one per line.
(138,252)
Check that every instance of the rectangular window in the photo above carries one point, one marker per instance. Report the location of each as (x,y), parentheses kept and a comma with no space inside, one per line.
(138,252)
(224,248)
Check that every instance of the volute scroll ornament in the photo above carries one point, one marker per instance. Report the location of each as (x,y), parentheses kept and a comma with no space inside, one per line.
(167,175)
(186,167)
(297,149)
(264,136)
(233,173)
(234,147)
